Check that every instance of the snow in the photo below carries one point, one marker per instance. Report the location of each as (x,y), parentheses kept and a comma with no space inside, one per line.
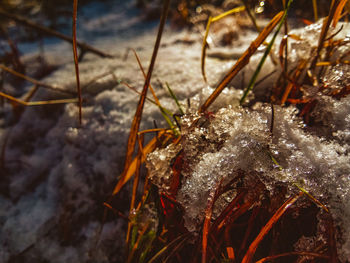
(59,174)
(237,139)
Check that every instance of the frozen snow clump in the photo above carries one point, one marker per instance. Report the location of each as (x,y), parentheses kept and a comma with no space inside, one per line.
(233,141)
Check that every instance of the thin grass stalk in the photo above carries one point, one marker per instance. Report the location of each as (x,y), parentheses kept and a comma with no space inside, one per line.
(313,199)
(152,236)
(242,61)
(165,135)
(161,252)
(291,84)
(175,249)
(75,54)
(31,93)
(252,18)
(147,98)
(163,111)
(136,183)
(324,31)
(138,114)
(206,226)
(228,210)
(34,81)
(36,103)
(254,245)
(47,31)
(204,49)
(286,46)
(314,6)
(333,253)
(249,229)
(289,254)
(233,215)
(137,243)
(267,51)
(172,94)
(204,44)
(338,12)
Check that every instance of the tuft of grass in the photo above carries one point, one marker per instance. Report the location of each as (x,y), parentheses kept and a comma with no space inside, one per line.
(254,245)
(266,53)
(138,114)
(245,230)
(243,61)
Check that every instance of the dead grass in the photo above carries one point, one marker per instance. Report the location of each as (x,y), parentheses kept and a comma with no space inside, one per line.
(255,226)
(244,231)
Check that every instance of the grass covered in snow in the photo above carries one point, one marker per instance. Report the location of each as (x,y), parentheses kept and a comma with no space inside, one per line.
(266,179)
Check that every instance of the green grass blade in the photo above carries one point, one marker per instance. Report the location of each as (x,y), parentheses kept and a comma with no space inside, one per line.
(172,94)
(149,241)
(168,246)
(267,51)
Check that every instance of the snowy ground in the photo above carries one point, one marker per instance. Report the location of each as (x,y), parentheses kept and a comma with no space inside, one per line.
(57,175)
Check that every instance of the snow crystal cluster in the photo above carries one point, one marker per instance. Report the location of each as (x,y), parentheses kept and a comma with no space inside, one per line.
(232,140)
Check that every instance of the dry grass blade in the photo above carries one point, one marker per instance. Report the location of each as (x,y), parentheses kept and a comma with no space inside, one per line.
(208,214)
(324,31)
(204,49)
(168,246)
(254,245)
(163,111)
(75,54)
(204,45)
(136,182)
(338,12)
(291,84)
(314,7)
(145,76)
(244,60)
(307,254)
(230,254)
(34,81)
(47,31)
(138,114)
(133,165)
(36,103)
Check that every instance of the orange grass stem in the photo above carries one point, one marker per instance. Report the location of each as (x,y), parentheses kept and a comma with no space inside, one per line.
(242,61)
(254,245)
(288,254)
(138,114)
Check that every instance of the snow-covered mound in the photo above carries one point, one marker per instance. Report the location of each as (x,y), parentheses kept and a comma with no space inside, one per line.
(57,175)
(234,140)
